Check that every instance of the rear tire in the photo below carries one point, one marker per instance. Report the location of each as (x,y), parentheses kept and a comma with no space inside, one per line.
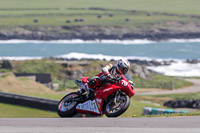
(67,109)
(111,111)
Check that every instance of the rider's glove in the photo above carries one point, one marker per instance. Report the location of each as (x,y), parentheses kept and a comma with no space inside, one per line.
(113,79)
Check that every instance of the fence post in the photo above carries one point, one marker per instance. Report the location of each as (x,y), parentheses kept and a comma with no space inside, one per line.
(162,85)
(141,83)
(154,82)
(64,85)
(172,84)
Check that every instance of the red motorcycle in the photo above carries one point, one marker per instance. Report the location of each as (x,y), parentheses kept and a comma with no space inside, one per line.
(111,99)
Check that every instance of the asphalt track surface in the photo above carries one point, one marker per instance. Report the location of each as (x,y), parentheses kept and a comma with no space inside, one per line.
(101,125)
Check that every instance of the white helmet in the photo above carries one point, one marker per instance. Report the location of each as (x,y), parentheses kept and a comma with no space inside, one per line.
(123,66)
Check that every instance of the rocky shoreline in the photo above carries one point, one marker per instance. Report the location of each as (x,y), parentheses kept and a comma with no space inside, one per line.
(140,62)
(94,33)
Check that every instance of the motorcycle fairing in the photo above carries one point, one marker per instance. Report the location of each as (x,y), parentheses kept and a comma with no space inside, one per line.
(99,103)
(90,106)
(105,91)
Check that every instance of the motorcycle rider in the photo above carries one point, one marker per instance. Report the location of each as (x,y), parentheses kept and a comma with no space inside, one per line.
(110,71)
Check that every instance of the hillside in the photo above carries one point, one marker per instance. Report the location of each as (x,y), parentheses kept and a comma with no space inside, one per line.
(12,84)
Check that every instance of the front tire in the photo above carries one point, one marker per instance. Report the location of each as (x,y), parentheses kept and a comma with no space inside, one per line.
(116,109)
(67,109)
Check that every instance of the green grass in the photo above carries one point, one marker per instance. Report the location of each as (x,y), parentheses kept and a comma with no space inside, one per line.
(69,84)
(13,111)
(55,13)
(160,81)
(4,70)
(57,19)
(136,108)
(187,96)
(56,96)
(38,66)
(177,6)
(163,98)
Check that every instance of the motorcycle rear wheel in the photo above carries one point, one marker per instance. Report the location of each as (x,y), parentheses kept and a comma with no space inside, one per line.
(116,109)
(65,108)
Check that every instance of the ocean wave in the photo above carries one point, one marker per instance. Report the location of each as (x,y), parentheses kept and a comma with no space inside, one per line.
(20,58)
(79,41)
(185,40)
(79,56)
(179,68)
(127,42)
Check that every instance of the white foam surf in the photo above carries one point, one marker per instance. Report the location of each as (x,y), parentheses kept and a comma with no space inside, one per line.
(80,56)
(179,68)
(185,40)
(20,58)
(79,41)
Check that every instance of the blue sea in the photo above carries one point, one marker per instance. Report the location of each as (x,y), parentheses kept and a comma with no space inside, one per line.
(177,50)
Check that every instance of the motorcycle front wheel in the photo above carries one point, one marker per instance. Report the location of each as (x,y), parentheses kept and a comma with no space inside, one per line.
(67,108)
(115,109)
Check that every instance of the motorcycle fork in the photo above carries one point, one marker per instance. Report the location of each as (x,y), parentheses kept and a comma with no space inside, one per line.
(117,94)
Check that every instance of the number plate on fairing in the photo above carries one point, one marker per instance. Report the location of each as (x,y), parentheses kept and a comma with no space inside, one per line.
(124,83)
(88,106)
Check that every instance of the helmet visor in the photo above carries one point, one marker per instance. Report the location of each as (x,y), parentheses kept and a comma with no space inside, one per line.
(124,70)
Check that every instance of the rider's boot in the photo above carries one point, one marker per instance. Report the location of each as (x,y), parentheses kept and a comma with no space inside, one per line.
(84,92)
(91,94)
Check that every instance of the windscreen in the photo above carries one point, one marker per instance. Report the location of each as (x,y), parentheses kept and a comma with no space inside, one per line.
(128,77)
